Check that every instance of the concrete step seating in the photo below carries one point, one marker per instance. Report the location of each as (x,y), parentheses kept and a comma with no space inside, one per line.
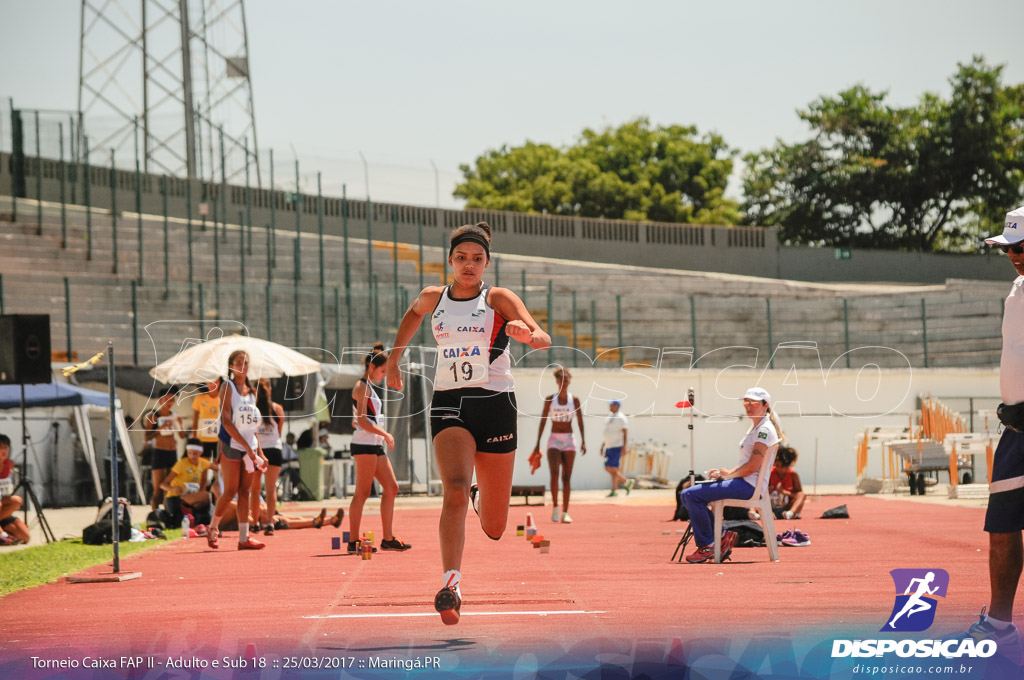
(962,325)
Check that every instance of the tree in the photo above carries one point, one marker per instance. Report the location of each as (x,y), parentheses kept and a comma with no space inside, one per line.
(635,171)
(928,177)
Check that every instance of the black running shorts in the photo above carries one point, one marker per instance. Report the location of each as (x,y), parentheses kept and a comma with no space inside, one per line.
(1005,512)
(210,449)
(164,459)
(273,457)
(366,450)
(491,417)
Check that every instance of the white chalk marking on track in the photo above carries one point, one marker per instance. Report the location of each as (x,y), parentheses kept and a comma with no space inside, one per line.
(410,615)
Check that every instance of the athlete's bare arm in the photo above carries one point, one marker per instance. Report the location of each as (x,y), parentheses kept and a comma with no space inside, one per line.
(543,422)
(579,420)
(521,325)
(423,305)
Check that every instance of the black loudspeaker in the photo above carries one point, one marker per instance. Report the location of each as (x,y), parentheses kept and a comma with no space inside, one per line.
(25,349)
(297,394)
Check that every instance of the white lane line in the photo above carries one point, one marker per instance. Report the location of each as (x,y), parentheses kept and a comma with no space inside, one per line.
(410,615)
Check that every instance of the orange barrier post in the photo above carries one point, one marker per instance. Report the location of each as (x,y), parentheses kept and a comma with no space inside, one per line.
(954,474)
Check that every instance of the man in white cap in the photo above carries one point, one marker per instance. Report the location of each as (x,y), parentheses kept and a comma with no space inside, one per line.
(1004,519)
(614,445)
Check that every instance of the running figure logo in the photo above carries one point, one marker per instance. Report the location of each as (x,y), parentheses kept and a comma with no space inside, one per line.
(914,609)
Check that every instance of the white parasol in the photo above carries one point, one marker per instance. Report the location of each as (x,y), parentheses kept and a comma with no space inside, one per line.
(207,361)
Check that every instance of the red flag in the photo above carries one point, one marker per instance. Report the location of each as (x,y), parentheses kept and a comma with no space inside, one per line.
(683,404)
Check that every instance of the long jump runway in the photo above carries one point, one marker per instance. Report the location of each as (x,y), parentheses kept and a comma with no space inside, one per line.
(608,586)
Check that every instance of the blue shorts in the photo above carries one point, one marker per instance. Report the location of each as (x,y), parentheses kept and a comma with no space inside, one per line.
(612,456)
(1006,498)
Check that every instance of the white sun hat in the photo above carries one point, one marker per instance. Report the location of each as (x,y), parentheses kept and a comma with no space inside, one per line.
(758,394)
(1013,230)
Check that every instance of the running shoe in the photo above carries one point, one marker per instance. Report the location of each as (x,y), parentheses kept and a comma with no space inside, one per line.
(318,521)
(788,533)
(1007,639)
(338,516)
(447,603)
(394,544)
(353,547)
(629,485)
(474,497)
(612,495)
(556,515)
(252,544)
(566,519)
(269,531)
(796,539)
(211,538)
(728,541)
(705,554)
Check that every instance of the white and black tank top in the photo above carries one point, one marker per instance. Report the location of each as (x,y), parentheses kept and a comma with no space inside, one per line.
(373,411)
(472,345)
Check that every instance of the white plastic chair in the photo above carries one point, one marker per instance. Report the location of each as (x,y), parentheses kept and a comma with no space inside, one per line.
(761,501)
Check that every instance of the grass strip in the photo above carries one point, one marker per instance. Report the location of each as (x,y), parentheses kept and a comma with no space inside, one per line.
(39,564)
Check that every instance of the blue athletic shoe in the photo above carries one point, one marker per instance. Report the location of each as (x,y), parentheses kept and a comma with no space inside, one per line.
(1007,639)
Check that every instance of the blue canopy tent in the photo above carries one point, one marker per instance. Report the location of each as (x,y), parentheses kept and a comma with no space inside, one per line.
(51,394)
(78,399)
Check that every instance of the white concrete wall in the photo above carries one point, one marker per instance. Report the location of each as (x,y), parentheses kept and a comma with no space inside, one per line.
(830,406)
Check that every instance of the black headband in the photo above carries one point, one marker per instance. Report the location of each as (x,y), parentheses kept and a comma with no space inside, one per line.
(474,238)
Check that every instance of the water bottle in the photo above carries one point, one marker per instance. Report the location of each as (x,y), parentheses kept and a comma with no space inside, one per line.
(184,526)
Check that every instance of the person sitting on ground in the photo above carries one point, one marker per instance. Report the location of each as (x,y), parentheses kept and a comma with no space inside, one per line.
(12,529)
(185,486)
(282,522)
(785,484)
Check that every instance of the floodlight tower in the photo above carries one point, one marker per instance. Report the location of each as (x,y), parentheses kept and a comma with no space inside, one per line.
(166,78)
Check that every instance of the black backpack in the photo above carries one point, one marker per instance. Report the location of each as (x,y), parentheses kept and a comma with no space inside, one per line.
(100,531)
(748,534)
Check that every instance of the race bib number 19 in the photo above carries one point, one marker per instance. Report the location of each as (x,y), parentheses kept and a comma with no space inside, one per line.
(461,366)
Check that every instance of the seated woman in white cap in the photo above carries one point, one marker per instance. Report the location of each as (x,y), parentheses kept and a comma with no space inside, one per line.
(762,439)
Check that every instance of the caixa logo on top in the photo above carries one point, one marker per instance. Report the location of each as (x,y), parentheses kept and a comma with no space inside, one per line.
(913,611)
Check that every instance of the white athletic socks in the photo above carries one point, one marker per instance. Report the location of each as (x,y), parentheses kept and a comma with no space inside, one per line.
(997,624)
(243,532)
(452,579)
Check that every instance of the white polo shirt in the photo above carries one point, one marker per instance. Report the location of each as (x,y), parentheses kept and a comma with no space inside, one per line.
(763,433)
(613,429)
(1011,363)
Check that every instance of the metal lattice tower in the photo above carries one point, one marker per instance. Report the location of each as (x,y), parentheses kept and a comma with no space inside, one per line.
(161,79)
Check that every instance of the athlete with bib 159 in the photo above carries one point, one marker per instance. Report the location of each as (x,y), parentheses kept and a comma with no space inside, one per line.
(473,410)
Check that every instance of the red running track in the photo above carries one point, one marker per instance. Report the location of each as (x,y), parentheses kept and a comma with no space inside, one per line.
(608,575)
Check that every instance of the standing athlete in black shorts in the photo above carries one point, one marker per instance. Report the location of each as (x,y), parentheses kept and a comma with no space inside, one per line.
(473,410)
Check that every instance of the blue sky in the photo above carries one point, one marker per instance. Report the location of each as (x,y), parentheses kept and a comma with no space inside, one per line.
(407,83)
